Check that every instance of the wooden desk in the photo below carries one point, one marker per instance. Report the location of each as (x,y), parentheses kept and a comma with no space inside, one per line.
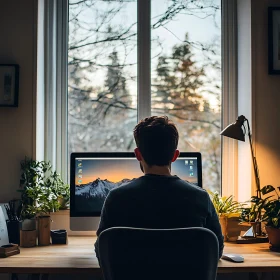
(79,257)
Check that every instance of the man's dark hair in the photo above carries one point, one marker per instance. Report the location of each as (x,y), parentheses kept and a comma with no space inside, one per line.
(157,139)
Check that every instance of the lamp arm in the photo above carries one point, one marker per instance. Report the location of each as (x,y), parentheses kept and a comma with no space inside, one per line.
(255,164)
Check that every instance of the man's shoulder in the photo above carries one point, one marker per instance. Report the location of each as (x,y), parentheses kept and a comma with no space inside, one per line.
(174,182)
(132,184)
(190,187)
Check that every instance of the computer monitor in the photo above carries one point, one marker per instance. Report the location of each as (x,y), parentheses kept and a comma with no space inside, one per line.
(93,175)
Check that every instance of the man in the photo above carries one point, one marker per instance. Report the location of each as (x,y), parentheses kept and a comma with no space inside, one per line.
(158,199)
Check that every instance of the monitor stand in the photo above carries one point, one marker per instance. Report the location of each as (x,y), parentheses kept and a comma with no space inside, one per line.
(84,223)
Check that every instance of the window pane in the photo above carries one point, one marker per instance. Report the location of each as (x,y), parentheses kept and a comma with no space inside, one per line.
(186,76)
(102,65)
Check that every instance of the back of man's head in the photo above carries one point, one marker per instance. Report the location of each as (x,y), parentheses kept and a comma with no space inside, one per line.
(157,139)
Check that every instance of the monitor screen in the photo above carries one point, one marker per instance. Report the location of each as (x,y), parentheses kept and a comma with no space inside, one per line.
(93,175)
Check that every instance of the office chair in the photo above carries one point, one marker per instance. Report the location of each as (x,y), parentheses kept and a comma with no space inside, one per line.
(158,254)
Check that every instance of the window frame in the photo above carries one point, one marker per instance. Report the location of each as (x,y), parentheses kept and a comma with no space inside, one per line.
(54,145)
(52,82)
(144,59)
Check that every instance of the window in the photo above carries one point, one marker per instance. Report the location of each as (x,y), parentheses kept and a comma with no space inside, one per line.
(102,75)
(186,76)
(184,71)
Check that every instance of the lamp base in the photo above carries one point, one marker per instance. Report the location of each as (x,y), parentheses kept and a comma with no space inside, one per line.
(251,240)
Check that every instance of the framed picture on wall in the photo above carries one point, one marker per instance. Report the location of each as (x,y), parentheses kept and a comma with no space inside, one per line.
(274,40)
(9,85)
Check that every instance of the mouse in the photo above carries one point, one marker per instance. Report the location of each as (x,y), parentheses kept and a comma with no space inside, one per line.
(233,258)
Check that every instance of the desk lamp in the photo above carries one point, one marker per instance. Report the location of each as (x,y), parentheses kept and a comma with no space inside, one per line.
(237,131)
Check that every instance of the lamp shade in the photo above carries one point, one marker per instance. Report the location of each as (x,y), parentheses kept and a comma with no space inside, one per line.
(235,130)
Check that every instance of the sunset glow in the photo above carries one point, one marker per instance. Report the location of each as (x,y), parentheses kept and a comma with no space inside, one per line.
(112,170)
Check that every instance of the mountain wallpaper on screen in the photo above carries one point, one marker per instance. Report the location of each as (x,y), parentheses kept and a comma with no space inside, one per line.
(91,196)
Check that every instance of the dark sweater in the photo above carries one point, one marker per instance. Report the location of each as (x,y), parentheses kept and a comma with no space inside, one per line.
(154,201)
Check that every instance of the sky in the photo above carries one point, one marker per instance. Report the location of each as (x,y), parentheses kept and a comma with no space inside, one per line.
(112,170)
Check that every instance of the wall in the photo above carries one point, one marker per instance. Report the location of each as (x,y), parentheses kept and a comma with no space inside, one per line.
(266,94)
(17,43)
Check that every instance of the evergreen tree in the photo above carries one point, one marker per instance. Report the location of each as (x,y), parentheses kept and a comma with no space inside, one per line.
(115,96)
(177,91)
(178,81)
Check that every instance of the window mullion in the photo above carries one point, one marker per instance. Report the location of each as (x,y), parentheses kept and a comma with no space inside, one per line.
(144,58)
(229,100)
(56,56)
(61,101)
(50,82)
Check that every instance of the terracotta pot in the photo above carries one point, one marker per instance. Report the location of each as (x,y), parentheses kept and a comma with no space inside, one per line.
(223,223)
(44,230)
(273,236)
(231,228)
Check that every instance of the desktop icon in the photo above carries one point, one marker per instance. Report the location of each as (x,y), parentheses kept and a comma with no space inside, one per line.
(186,162)
(191,161)
(191,167)
(80,171)
(79,164)
(80,181)
(191,174)
(80,176)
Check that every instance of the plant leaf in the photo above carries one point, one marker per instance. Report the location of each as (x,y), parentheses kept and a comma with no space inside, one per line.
(267,189)
(255,199)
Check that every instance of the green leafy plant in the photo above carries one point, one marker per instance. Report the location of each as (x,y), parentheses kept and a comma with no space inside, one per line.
(264,209)
(59,189)
(225,206)
(62,191)
(40,190)
(272,208)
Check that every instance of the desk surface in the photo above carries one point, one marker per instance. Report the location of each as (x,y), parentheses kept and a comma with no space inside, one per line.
(79,257)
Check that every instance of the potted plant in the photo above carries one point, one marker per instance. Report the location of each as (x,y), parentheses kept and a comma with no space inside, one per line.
(271,217)
(40,193)
(256,214)
(54,194)
(32,174)
(228,212)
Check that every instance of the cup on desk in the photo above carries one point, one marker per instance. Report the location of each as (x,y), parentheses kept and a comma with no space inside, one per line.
(14,231)
(59,236)
(44,230)
(28,238)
